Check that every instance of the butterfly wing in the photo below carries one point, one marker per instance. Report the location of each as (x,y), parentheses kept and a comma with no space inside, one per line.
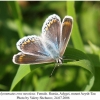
(51,30)
(22,58)
(32,45)
(35,49)
(32,50)
(66,32)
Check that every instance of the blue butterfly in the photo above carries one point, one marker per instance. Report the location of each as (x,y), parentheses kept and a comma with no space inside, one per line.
(49,46)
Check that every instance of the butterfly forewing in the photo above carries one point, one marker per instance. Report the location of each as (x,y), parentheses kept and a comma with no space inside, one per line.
(32,45)
(51,30)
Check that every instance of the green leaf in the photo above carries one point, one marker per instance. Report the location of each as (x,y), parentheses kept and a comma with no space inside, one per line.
(22,71)
(84,62)
(95,49)
(95,57)
(74,54)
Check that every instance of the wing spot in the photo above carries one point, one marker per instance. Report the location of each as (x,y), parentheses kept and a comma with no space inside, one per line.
(46,28)
(28,41)
(32,39)
(22,45)
(68,23)
(51,21)
(25,42)
(49,24)
(54,20)
(21,58)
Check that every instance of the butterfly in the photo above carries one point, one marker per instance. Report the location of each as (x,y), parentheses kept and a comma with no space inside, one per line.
(49,46)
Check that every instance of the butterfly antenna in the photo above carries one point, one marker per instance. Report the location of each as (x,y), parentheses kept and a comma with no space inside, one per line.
(53,70)
(67,59)
(70,60)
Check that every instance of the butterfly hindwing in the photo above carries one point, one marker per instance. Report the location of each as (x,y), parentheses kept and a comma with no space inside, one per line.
(22,58)
(66,32)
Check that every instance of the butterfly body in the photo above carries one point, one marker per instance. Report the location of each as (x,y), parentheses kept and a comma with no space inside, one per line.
(49,46)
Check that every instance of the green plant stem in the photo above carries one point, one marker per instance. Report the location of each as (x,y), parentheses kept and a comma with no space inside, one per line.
(17,16)
(76,38)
